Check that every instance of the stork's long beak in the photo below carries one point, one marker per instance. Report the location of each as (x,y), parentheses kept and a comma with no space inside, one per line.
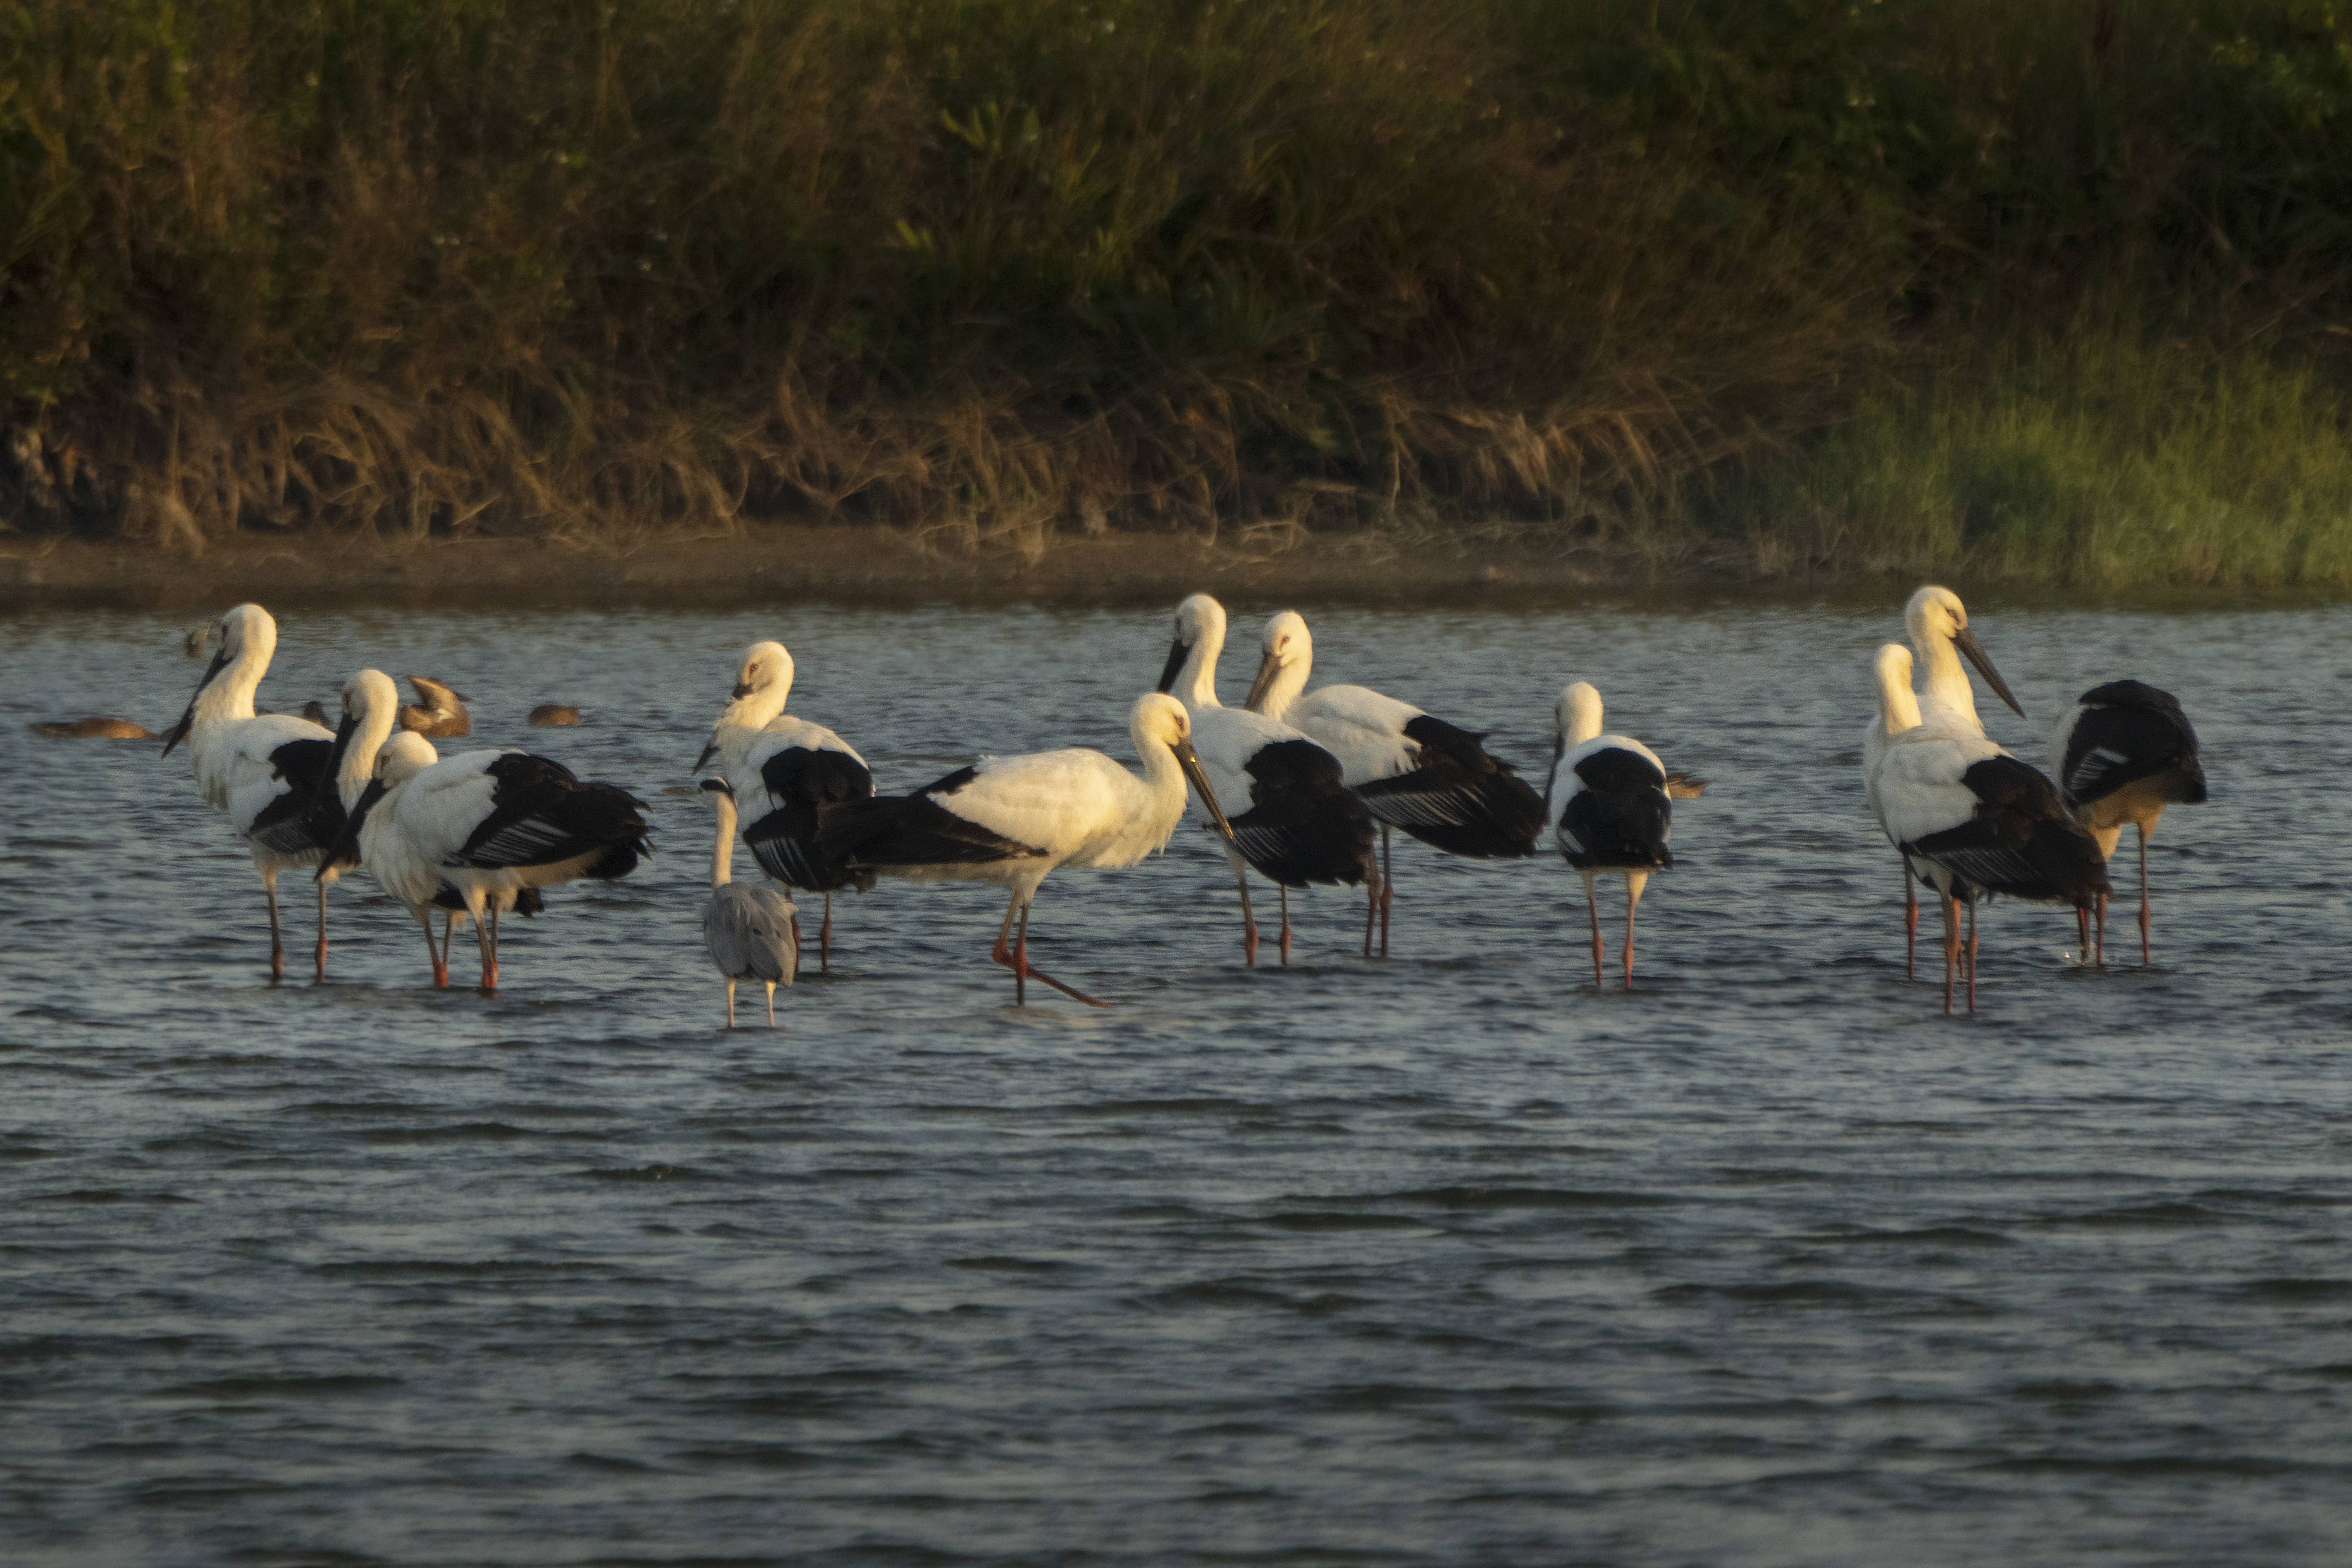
(1174,666)
(345,849)
(698,763)
(1966,641)
(1267,668)
(742,690)
(1190,763)
(179,731)
(343,732)
(1559,749)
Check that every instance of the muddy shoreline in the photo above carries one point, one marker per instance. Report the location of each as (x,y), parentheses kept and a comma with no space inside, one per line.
(881,567)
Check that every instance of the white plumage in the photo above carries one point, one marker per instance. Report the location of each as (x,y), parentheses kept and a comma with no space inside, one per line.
(1609,810)
(1413,769)
(752,931)
(787,774)
(1302,825)
(265,771)
(1012,820)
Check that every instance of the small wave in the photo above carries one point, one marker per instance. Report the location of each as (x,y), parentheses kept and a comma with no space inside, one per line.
(2296,1289)
(1466,1199)
(245,1388)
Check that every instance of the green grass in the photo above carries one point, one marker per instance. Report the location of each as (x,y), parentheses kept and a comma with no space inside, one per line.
(997,271)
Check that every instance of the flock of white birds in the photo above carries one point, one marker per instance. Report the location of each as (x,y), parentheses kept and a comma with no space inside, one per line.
(1303,787)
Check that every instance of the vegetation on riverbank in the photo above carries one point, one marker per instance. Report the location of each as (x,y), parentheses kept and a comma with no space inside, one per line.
(2043,291)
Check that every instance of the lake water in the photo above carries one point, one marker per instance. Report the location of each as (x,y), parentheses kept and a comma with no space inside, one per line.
(1440,1260)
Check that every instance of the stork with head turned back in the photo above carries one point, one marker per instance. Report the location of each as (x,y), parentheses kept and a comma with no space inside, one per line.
(1938,623)
(1609,807)
(1968,818)
(753,932)
(1413,770)
(266,770)
(1304,825)
(1013,820)
(787,774)
(2124,752)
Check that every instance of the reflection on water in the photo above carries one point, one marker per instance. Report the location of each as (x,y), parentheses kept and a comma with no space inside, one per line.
(1440,1260)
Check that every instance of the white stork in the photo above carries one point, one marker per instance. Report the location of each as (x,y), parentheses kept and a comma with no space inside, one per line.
(2125,751)
(494,826)
(1012,820)
(753,933)
(1415,771)
(1938,625)
(1304,825)
(1972,820)
(1608,804)
(267,771)
(787,774)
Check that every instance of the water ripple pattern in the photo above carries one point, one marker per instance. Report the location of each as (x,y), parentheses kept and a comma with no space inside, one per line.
(1445,1260)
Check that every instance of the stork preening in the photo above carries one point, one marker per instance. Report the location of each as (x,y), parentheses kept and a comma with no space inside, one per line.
(2125,751)
(1938,627)
(439,712)
(1304,825)
(494,826)
(753,933)
(787,775)
(1970,819)
(265,771)
(1607,801)
(1414,771)
(1013,820)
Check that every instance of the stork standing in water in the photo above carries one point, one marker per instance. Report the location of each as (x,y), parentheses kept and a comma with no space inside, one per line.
(753,931)
(1013,820)
(2125,751)
(266,770)
(1415,771)
(1938,627)
(494,826)
(1970,819)
(787,774)
(1608,803)
(1304,825)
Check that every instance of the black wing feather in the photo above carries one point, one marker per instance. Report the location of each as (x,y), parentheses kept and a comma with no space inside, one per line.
(2130,730)
(309,813)
(1458,797)
(902,830)
(1304,825)
(2021,842)
(810,785)
(540,815)
(1619,819)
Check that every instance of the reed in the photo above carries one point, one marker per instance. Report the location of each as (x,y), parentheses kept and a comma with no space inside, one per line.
(998,270)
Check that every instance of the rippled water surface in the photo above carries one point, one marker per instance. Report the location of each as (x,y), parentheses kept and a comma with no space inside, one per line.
(1440,1260)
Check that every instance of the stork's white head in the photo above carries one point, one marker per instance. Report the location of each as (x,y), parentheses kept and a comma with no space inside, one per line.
(369,691)
(1199,638)
(1289,653)
(764,683)
(405,756)
(1937,621)
(1158,719)
(1575,716)
(248,638)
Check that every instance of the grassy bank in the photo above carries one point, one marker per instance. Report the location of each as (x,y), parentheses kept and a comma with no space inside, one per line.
(1797,286)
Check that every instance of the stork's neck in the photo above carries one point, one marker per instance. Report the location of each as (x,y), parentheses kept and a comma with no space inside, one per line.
(742,720)
(229,694)
(1196,683)
(1898,706)
(1583,717)
(1289,680)
(1947,684)
(359,758)
(722,849)
(1164,788)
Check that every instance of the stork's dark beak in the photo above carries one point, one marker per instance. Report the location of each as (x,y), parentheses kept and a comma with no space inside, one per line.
(345,849)
(1267,668)
(718,786)
(1175,665)
(179,731)
(742,690)
(1966,641)
(1190,763)
(343,732)
(702,759)
(1559,749)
